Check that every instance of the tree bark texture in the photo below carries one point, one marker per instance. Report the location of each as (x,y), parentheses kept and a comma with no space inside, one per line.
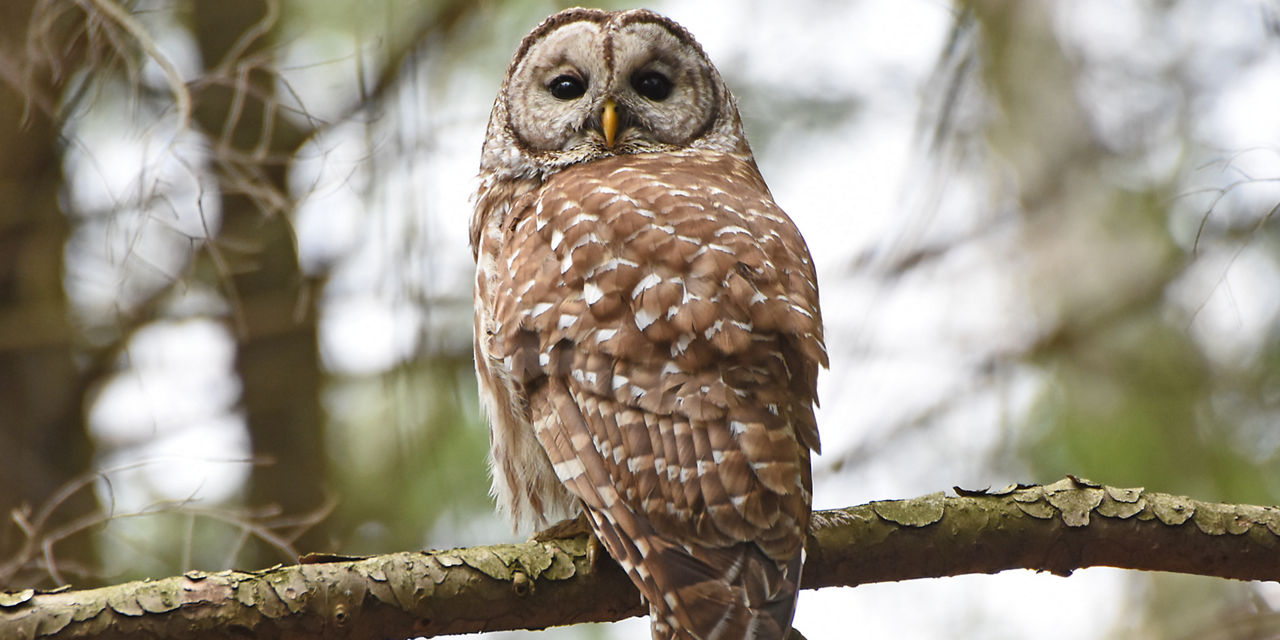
(1057,528)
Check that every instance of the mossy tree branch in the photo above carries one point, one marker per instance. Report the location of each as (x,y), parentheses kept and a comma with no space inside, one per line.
(1057,528)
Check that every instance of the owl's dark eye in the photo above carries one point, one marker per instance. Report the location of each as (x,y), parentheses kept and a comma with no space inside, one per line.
(567,87)
(652,85)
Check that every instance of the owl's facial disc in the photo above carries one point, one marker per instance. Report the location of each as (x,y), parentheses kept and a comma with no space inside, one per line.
(555,90)
(607,84)
(667,91)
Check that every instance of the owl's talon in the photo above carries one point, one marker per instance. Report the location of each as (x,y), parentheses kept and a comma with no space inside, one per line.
(593,551)
(572,528)
(567,528)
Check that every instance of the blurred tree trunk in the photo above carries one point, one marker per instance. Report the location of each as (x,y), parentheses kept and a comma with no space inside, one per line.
(44,444)
(273,303)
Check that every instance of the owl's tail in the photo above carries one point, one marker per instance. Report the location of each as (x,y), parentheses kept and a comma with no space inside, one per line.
(723,594)
(703,593)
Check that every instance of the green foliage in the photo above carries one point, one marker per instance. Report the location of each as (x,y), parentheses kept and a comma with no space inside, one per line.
(408,452)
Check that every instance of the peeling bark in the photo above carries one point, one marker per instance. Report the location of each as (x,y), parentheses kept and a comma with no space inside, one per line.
(1058,528)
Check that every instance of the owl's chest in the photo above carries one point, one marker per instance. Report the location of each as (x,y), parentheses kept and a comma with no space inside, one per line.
(606,232)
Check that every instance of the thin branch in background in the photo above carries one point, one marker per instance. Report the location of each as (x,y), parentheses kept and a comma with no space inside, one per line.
(236,53)
(140,35)
(1223,192)
(37,56)
(942,136)
(38,552)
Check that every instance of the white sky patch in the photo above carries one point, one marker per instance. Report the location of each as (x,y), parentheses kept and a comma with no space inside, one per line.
(950,607)
(328,178)
(365,335)
(168,420)
(1245,113)
(1235,296)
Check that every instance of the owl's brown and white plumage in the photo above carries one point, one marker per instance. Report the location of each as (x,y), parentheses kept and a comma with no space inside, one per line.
(647,327)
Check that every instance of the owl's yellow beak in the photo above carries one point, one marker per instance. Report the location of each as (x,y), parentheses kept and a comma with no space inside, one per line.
(609,121)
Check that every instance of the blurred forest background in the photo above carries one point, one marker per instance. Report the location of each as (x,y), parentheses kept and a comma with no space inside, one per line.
(235,288)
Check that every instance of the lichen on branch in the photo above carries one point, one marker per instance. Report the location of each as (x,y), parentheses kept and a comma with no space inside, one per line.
(1067,525)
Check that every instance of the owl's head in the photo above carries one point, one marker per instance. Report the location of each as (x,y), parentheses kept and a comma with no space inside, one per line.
(588,84)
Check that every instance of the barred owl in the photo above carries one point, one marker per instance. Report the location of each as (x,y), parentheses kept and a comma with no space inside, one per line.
(647,332)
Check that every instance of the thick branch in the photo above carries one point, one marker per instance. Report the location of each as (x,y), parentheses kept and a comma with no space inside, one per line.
(1070,524)
(1058,528)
